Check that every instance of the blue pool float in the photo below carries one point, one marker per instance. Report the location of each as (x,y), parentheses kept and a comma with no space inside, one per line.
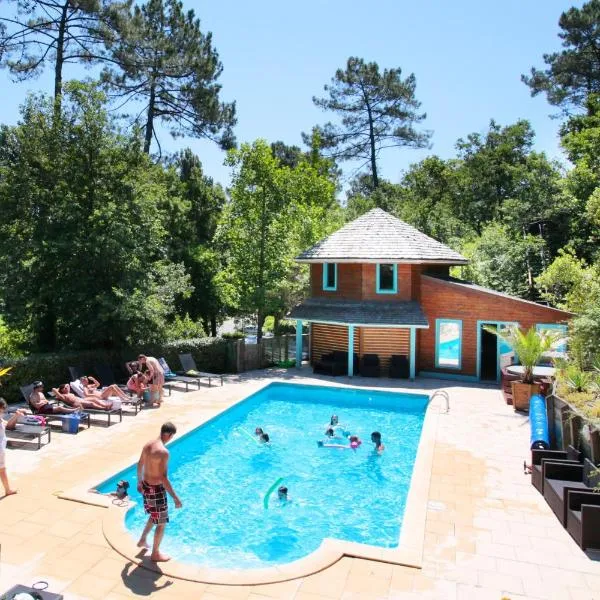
(538,419)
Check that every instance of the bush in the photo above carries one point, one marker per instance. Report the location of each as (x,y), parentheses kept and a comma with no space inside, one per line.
(211,354)
(269,324)
(233,335)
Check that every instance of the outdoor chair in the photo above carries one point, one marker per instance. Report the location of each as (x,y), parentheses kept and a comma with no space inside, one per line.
(75,373)
(539,456)
(369,366)
(583,518)
(26,391)
(107,377)
(399,367)
(560,477)
(172,377)
(335,363)
(190,369)
(29,432)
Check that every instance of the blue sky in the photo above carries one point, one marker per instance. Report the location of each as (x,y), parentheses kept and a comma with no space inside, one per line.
(467,56)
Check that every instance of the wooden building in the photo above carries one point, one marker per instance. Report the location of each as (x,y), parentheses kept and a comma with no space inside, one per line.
(380,286)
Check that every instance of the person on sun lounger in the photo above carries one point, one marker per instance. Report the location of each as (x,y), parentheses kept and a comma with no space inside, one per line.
(91,387)
(64,394)
(42,406)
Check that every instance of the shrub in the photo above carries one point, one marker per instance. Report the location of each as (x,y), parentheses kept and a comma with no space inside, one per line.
(233,335)
(211,354)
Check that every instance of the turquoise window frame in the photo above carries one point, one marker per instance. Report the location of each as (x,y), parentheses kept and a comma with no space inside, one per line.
(438,324)
(559,327)
(395,276)
(326,267)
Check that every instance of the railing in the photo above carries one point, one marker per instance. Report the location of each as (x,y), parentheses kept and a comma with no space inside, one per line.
(445,395)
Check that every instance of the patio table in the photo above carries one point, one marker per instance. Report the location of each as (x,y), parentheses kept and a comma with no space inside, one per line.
(537,371)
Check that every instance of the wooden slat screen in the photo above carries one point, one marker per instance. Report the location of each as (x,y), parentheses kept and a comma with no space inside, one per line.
(384,342)
(326,338)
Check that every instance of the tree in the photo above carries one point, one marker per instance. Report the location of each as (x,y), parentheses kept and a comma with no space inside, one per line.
(574,73)
(57,32)
(81,229)
(165,59)
(377,111)
(274,211)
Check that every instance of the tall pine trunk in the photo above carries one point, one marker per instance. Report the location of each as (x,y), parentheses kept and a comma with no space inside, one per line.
(60,52)
(150,118)
(374,176)
(261,269)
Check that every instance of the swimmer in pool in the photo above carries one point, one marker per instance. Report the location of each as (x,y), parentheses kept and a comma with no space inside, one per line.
(258,431)
(264,438)
(376,439)
(282,494)
(354,444)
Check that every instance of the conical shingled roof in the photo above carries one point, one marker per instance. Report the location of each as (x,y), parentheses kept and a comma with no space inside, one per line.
(378,236)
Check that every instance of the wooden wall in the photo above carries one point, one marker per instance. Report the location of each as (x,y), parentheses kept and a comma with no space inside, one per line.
(385,343)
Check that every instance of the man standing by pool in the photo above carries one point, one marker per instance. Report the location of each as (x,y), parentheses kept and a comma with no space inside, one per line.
(153,484)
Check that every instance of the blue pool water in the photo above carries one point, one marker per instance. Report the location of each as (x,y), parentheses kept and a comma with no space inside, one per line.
(449,350)
(222,475)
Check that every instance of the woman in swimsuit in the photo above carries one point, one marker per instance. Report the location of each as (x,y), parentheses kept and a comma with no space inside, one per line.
(64,394)
(91,389)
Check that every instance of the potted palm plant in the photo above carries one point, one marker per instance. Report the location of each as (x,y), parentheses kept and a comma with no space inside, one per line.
(529,346)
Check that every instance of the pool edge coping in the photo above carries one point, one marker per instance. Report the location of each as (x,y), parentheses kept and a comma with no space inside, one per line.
(409,551)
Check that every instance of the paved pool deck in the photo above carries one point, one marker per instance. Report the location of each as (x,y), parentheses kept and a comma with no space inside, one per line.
(488,533)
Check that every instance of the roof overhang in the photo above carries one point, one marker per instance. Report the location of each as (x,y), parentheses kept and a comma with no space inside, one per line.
(369,325)
(399,261)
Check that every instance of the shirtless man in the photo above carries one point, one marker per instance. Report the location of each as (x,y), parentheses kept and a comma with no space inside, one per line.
(43,407)
(91,388)
(153,484)
(64,394)
(155,376)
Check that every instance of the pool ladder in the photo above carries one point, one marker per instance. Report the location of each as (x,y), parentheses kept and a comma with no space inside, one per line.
(445,395)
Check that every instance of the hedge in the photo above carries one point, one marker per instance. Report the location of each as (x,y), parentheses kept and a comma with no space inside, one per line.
(214,355)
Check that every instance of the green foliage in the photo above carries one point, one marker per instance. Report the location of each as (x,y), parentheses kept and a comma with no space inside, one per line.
(502,261)
(575,71)
(233,335)
(165,60)
(377,110)
(82,229)
(578,380)
(183,328)
(286,364)
(269,324)
(211,354)
(529,346)
(274,212)
(11,341)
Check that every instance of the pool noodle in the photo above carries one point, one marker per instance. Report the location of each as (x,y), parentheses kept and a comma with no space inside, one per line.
(252,437)
(270,491)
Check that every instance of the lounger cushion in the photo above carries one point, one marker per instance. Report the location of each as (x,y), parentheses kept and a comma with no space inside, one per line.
(77,387)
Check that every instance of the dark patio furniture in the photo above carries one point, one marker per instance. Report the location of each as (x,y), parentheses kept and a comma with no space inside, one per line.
(560,477)
(75,373)
(369,366)
(335,363)
(34,592)
(189,367)
(538,456)
(399,366)
(27,432)
(583,518)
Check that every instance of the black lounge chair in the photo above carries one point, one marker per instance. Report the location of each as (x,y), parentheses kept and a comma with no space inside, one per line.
(335,363)
(560,477)
(171,377)
(191,370)
(583,518)
(26,393)
(107,377)
(369,366)
(399,367)
(539,456)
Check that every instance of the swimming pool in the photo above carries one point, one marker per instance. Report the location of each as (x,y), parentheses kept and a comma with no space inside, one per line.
(222,476)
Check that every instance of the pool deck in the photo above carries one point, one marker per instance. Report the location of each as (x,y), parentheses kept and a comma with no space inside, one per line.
(488,533)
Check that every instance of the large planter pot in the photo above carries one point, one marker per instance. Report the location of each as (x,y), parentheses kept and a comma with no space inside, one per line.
(521,394)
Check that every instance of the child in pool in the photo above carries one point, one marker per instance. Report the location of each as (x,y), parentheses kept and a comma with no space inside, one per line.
(282,494)
(258,431)
(264,438)
(376,439)
(354,444)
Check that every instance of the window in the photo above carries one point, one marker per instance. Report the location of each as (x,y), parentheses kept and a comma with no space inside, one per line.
(329,277)
(448,344)
(387,279)
(560,345)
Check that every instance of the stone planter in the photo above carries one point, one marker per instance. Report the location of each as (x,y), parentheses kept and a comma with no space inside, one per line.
(522,392)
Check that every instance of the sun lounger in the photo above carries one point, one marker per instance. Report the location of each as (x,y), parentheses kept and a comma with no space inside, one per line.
(561,477)
(583,518)
(189,368)
(171,377)
(538,456)
(29,433)
(26,393)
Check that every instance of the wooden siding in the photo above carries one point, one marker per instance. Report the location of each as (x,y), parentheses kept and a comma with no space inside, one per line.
(349,281)
(385,343)
(443,300)
(326,338)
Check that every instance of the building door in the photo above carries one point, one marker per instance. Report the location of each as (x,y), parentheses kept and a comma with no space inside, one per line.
(488,358)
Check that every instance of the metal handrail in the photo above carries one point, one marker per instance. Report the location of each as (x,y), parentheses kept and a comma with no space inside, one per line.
(444,394)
